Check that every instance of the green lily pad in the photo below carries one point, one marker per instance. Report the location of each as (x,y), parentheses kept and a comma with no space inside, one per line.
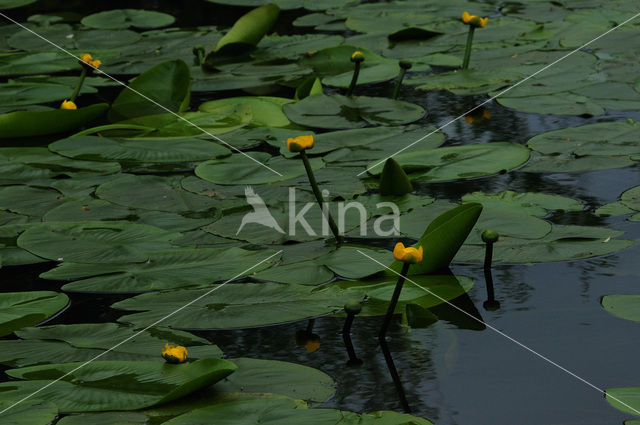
(455,162)
(125,18)
(114,385)
(334,66)
(236,305)
(11,4)
(611,95)
(266,111)
(79,40)
(105,418)
(588,147)
(40,123)
(21,309)
(624,306)
(169,269)
(561,244)
(95,242)
(303,273)
(631,198)
(629,396)
(166,84)
(277,377)
(25,63)
(21,94)
(82,342)
(341,112)
(242,170)
(557,104)
(156,151)
(28,412)
(274,46)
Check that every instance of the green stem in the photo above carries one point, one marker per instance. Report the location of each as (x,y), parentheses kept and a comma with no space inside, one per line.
(316,192)
(354,79)
(467,52)
(396,89)
(76,91)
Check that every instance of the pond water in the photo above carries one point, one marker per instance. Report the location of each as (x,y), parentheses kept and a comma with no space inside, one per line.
(456,371)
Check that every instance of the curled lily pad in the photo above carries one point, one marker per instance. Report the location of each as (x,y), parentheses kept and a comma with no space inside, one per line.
(129,386)
(234,306)
(341,112)
(39,123)
(125,18)
(21,309)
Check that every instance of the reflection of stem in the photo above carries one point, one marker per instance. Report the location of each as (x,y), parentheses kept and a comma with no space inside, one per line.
(76,91)
(316,192)
(310,324)
(393,302)
(354,79)
(394,375)
(346,337)
(490,303)
(467,52)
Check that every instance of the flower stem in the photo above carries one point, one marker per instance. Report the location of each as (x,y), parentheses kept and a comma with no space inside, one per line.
(354,79)
(393,303)
(404,65)
(318,195)
(76,91)
(467,52)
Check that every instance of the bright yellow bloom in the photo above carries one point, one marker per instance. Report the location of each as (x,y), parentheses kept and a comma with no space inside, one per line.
(407,255)
(67,104)
(88,59)
(177,354)
(357,56)
(474,20)
(300,143)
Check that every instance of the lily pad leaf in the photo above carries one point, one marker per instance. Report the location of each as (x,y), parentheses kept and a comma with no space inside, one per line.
(53,121)
(115,385)
(236,305)
(241,170)
(557,104)
(166,84)
(266,110)
(624,306)
(95,242)
(341,112)
(244,35)
(169,269)
(28,412)
(628,396)
(21,309)
(125,18)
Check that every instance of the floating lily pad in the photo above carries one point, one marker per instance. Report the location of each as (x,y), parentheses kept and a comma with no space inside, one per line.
(82,342)
(624,306)
(236,305)
(558,104)
(125,18)
(628,396)
(455,162)
(21,309)
(20,94)
(588,147)
(28,412)
(69,38)
(303,273)
(175,268)
(266,111)
(114,385)
(10,4)
(561,244)
(157,151)
(95,242)
(338,112)
(25,63)
(242,170)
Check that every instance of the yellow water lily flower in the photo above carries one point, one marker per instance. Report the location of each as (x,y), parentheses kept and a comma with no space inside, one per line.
(177,354)
(474,20)
(408,255)
(300,143)
(67,104)
(357,56)
(88,59)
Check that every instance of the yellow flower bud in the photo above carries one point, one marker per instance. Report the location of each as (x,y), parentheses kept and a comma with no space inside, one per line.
(67,104)
(299,143)
(88,59)
(177,354)
(357,56)
(474,20)
(407,255)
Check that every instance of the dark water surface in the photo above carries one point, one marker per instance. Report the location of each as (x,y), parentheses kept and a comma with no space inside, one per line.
(454,373)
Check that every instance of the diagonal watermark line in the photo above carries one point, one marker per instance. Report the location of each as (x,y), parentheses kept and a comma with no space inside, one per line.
(140,94)
(499,94)
(139,332)
(531,350)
